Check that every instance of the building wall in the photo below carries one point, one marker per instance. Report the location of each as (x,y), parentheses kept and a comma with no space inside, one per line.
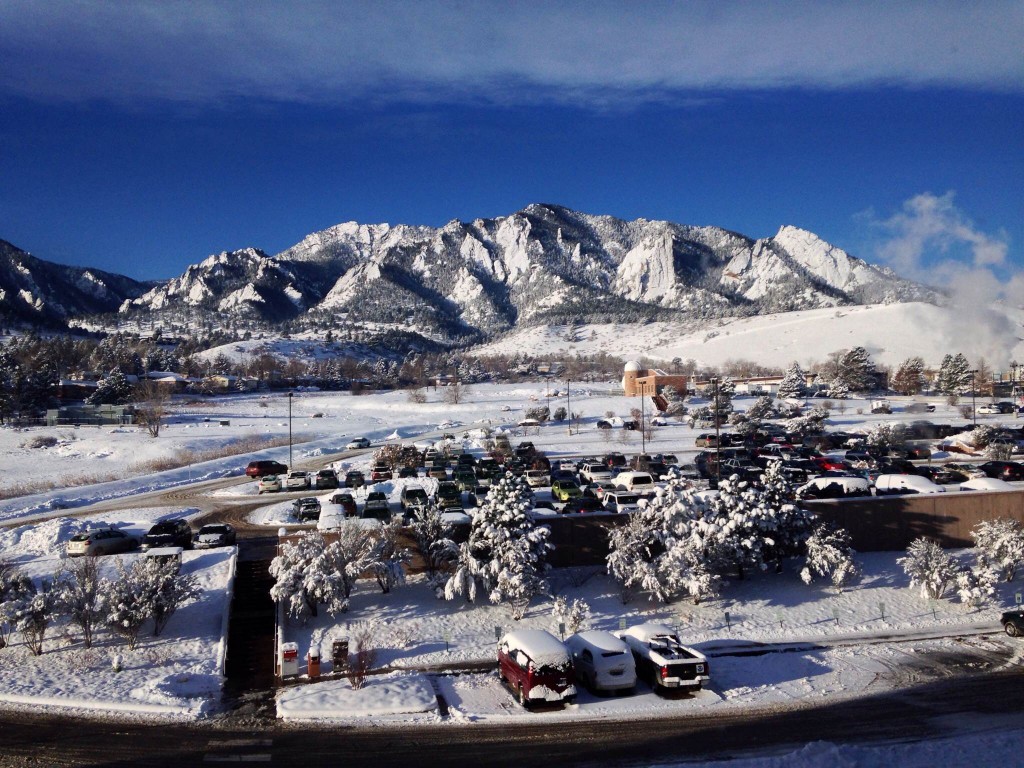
(646,384)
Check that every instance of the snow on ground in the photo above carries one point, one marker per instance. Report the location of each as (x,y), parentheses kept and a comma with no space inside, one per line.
(179,673)
(890,332)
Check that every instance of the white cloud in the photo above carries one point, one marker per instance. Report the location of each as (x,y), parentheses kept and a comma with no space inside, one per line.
(933,241)
(590,53)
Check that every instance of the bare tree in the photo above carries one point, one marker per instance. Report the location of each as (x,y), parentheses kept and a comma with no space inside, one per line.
(455,393)
(151,406)
(81,597)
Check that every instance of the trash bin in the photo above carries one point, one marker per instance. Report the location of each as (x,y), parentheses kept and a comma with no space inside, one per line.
(289,659)
(339,654)
(313,663)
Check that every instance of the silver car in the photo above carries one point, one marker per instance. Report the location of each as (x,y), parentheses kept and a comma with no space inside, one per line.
(101,541)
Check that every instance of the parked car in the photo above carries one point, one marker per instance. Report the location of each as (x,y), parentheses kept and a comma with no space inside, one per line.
(269,483)
(296,481)
(599,489)
(971,470)
(261,468)
(325,479)
(1004,470)
(538,478)
(601,661)
(306,508)
(663,660)
(168,533)
(637,482)
(595,472)
(582,505)
(834,487)
(354,479)
(346,502)
(101,541)
(377,507)
(413,500)
(357,443)
(707,440)
(448,496)
(621,501)
(535,666)
(1013,623)
(940,474)
(989,408)
(563,490)
(894,485)
(918,452)
(986,484)
(614,459)
(477,496)
(465,477)
(214,535)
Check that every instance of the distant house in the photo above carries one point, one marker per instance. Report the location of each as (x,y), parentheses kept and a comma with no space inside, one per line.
(223,382)
(75,389)
(649,381)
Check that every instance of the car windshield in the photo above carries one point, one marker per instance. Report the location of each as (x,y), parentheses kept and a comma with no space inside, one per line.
(417,493)
(160,528)
(627,498)
(80,537)
(214,529)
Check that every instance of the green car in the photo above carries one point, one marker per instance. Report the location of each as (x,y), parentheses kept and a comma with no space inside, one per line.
(563,490)
(466,478)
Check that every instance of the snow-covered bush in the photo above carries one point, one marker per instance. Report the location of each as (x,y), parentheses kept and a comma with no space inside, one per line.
(981,435)
(976,586)
(811,423)
(929,567)
(80,595)
(505,554)
(574,615)
(309,572)
(167,589)
(884,436)
(127,602)
(762,408)
(1000,545)
(31,609)
(830,555)
(793,384)
(433,537)
(389,559)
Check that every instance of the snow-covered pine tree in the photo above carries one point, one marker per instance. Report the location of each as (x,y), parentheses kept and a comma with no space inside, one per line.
(976,586)
(954,376)
(929,567)
(793,384)
(856,369)
(505,554)
(1000,546)
(830,555)
(114,389)
(389,559)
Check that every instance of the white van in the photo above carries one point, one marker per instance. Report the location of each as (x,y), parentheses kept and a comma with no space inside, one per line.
(635,482)
(987,484)
(602,661)
(891,485)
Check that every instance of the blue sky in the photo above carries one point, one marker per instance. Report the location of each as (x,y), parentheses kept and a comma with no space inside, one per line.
(141,137)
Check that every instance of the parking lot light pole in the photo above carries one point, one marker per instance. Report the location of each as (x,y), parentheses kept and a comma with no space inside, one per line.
(974,410)
(718,437)
(290,396)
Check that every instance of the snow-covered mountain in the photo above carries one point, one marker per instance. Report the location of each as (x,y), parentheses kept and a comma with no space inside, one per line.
(42,294)
(545,264)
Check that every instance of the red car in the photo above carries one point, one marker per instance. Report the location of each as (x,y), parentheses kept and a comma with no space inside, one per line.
(261,468)
(830,464)
(536,666)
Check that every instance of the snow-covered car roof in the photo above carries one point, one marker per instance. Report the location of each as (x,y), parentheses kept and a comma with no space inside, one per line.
(645,632)
(986,484)
(542,647)
(597,639)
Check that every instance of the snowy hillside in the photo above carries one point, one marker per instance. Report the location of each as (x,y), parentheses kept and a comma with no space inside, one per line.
(890,333)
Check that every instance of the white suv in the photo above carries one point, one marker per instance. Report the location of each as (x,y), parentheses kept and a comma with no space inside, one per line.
(594,473)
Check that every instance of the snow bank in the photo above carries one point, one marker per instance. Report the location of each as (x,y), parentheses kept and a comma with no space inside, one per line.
(394,694)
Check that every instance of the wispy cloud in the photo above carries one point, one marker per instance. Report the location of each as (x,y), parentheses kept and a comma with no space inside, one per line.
(931,240)
(591,53)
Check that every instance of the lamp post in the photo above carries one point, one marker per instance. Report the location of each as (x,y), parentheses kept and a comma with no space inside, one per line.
(290,396)
(974,410)
(568,404)
(718,437)
(643,436)
(1013,382)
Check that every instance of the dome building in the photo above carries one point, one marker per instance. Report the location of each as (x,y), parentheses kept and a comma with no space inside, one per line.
(637,380)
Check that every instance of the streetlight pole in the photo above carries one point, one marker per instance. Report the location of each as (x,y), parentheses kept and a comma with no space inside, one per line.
(643,435)
(974,410)
(1013,384)
(718,436)
(568,404)
(290,396)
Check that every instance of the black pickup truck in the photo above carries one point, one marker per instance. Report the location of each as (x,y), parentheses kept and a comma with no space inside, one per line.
(663,660)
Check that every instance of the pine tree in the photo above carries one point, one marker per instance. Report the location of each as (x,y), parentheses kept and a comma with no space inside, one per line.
(909,377)
(1000,545)
(793,384)
(954,376)
(505,554)
(112,390)
(856,370)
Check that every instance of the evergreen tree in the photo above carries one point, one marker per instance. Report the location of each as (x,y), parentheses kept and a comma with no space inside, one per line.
(113,390)
(929,567)
(909,377)
(830,554)
(954,375)
(505,553)
(793,384)
(856,370)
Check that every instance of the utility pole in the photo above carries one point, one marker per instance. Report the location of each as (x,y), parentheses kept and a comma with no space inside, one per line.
(718,436)
(568,404)
(290,396)
(643,435)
